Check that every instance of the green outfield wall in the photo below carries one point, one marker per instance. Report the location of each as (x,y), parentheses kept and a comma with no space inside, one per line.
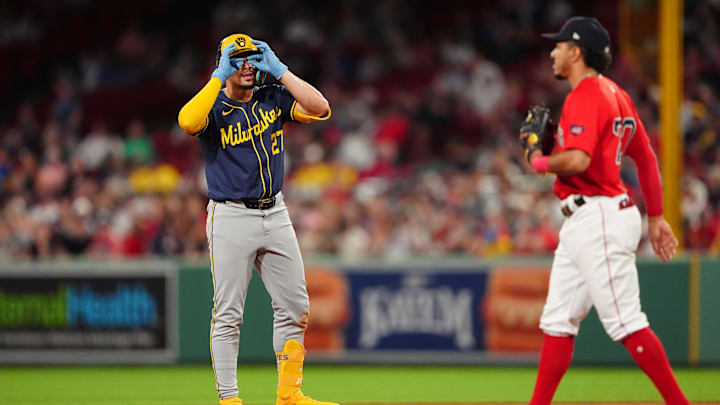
(459,311)
(666,293)
(195,311)
(709,309)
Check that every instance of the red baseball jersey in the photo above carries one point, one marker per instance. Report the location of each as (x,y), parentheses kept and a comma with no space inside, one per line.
(599,118)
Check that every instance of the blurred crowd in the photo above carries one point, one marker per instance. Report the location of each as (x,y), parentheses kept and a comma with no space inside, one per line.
(420,156)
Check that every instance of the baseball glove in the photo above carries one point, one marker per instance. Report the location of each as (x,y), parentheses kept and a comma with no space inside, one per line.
(537,131)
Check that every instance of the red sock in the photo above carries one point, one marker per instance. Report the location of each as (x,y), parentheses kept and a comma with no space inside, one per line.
(554,361)
(648,352)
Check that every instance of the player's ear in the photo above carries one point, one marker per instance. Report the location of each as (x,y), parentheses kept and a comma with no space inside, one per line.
(576,53)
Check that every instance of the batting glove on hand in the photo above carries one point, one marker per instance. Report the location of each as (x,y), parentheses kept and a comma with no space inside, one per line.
(267,61)
(226,66)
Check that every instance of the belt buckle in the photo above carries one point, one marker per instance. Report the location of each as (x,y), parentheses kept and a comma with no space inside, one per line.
(263,204)
(266,203)
(566,210)
(577,201)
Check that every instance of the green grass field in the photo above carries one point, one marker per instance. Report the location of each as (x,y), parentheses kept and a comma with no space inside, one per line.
(345,384)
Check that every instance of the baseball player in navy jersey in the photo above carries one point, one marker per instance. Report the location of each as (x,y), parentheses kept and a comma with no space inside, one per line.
(239,123)
(594,264)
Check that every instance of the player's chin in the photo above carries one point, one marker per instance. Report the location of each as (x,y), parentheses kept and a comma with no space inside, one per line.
(557,72)
(247,81)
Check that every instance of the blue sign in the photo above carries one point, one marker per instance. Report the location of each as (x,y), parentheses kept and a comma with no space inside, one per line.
(416,311)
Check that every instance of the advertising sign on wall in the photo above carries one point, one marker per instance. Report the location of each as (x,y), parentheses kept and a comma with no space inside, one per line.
(437,311)
(430,314)
(87,316)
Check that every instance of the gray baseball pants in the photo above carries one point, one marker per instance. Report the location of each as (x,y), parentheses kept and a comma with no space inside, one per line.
(240,238)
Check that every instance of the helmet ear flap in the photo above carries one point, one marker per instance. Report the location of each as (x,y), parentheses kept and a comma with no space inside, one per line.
(260,78)
(219,52)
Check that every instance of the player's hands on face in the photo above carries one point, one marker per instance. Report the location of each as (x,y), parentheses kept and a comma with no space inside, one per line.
(267,61)
(662,238)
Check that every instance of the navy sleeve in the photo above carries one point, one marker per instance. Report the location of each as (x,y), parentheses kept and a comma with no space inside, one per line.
(286,102)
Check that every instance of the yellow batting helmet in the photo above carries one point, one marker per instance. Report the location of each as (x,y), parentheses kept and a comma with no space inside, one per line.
(243,47)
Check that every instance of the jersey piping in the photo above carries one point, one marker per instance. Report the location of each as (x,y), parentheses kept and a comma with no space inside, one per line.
(252,139)
(214,313)
(262,143)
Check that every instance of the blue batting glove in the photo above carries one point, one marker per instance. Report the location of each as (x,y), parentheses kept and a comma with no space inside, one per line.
(226,66)
(267,61)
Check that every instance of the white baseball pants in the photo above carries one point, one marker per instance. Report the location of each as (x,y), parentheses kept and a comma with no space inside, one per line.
(240,238)
(594,264)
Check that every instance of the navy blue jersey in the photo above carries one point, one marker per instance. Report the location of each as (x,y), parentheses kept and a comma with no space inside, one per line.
(243,144)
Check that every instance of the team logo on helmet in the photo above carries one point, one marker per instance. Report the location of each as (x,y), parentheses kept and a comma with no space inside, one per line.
(243,48)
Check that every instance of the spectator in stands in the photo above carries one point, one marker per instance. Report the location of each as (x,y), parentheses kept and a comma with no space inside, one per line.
(415,160)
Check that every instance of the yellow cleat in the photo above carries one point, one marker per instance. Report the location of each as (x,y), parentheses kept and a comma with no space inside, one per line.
(296,397)
(290,363)
(231,401)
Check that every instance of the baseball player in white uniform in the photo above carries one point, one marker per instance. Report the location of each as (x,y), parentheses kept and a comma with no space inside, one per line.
(594,263)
